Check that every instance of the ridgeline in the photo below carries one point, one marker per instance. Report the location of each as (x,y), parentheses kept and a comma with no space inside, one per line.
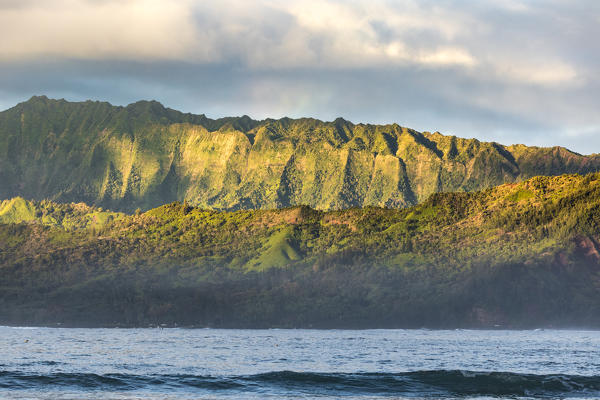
(145,155)
(519,255)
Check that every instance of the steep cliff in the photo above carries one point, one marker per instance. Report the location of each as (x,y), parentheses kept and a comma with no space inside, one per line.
(145,155)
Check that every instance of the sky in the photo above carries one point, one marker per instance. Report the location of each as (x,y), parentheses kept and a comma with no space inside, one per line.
(506,70)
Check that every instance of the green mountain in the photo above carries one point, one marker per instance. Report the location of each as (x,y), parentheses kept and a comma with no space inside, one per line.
(145,155)
(518,255)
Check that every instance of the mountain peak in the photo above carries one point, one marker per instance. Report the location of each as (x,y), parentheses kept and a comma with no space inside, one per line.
(38,98)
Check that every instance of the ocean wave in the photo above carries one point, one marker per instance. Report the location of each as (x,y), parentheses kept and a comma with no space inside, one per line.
(441,383)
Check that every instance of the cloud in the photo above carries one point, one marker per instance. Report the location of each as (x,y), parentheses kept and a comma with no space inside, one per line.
(258,34)
(265,34)
(447,56)
(131,29)
(539,74)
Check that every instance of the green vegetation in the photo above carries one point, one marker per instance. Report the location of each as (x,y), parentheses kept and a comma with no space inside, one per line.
(145,155)
(517,255)
(277,251)
(522,194)
(16,210)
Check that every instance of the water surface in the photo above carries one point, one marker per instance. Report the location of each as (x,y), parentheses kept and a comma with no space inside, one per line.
(55,363)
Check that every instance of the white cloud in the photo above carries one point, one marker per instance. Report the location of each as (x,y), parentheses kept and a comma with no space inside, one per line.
(260,34)
(546,73)
(349,37)
(448,56)
(273,34)
(133,29)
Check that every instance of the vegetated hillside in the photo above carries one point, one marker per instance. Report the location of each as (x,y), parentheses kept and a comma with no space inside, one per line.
(145,155)
(517,255)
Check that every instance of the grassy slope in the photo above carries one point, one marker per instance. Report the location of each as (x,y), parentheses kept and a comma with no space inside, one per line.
(522,254)
(145,155)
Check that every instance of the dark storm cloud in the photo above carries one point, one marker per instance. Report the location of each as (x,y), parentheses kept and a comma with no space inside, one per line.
(508,71)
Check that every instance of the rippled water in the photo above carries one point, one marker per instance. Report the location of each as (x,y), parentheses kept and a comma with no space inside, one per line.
(48,363)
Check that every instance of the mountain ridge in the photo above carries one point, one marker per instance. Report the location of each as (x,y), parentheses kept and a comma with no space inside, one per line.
(144,154)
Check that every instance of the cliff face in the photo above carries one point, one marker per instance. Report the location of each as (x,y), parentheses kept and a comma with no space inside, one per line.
(144,155)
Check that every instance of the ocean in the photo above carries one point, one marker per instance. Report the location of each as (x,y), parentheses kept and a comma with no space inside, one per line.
(65,363)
